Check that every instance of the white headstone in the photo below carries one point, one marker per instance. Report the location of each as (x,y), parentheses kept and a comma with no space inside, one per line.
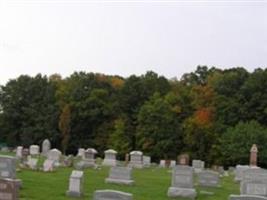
(110,158)
(76,184)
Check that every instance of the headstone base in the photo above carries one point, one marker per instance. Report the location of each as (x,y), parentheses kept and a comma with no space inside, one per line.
(119,181)
(246,197)
(74,194)
(182,192)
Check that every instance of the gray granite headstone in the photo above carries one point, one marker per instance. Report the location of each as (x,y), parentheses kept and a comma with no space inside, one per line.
(239,172)
(7,167)
(46,146)
(146,161)
(246,197)
(208,178)
(112,195)
(172,163)
(182,182)
(136,159)
(254,174)
(120,175)
(76,184)
(198,165)
(258,188)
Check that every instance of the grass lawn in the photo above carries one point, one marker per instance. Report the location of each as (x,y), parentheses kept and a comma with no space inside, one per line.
(150,184)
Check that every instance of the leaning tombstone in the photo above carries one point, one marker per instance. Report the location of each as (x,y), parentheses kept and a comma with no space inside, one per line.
(146,161)
(110,158)
(76,184)
(112,195)
(8,189)
(120,175)
(46,146)
(246,197)
(198,165)
(136,159)
(34,150)
(182,182)
(208,178)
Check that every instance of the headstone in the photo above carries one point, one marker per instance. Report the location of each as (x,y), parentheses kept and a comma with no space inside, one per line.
(172,163)
(49,165)
(208,178)
(110,158)
(25,154)
(258,188)
(253,156)
(34,150)
(32,163)
(182,182)
(239,172)
(54,154)
(8,189)
(198,165)
(162,163)
(46,146)
(136,159)
(19,152)
(146,161)
(76,184)
(120,175)
(81,152)
(246,197)
(88,160)
(254,174)
(183,159)
(7,167)
(112,195)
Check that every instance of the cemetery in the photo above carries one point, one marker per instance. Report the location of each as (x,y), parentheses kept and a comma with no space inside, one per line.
(51,179)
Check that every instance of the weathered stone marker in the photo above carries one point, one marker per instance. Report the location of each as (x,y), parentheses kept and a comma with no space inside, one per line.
(76,184)
(120,175)
(136,159)
(7,167)
(182,182)
(110,158)
(8,189)
(46,146)
(183,159)
(208,178)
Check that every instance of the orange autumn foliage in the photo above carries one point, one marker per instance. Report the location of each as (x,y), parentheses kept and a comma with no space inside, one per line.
(204,116)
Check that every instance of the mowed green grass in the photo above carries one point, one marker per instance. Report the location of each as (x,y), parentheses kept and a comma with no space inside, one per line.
(150,184)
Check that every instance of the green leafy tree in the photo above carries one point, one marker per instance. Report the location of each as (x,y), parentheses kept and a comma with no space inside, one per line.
(237,141)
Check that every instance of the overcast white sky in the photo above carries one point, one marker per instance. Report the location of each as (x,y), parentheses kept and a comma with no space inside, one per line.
(129,37)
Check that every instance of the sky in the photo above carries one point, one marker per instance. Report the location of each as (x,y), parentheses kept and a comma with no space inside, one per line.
(126,37)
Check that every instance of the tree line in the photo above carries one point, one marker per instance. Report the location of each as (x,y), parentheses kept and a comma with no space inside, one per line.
(211,114)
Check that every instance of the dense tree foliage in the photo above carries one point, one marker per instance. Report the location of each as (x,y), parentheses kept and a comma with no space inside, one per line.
(212,114)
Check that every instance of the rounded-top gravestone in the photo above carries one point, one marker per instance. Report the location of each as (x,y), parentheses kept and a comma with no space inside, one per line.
(46,146)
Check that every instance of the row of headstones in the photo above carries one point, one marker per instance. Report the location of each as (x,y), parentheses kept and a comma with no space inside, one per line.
(182,180)
(253,180)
